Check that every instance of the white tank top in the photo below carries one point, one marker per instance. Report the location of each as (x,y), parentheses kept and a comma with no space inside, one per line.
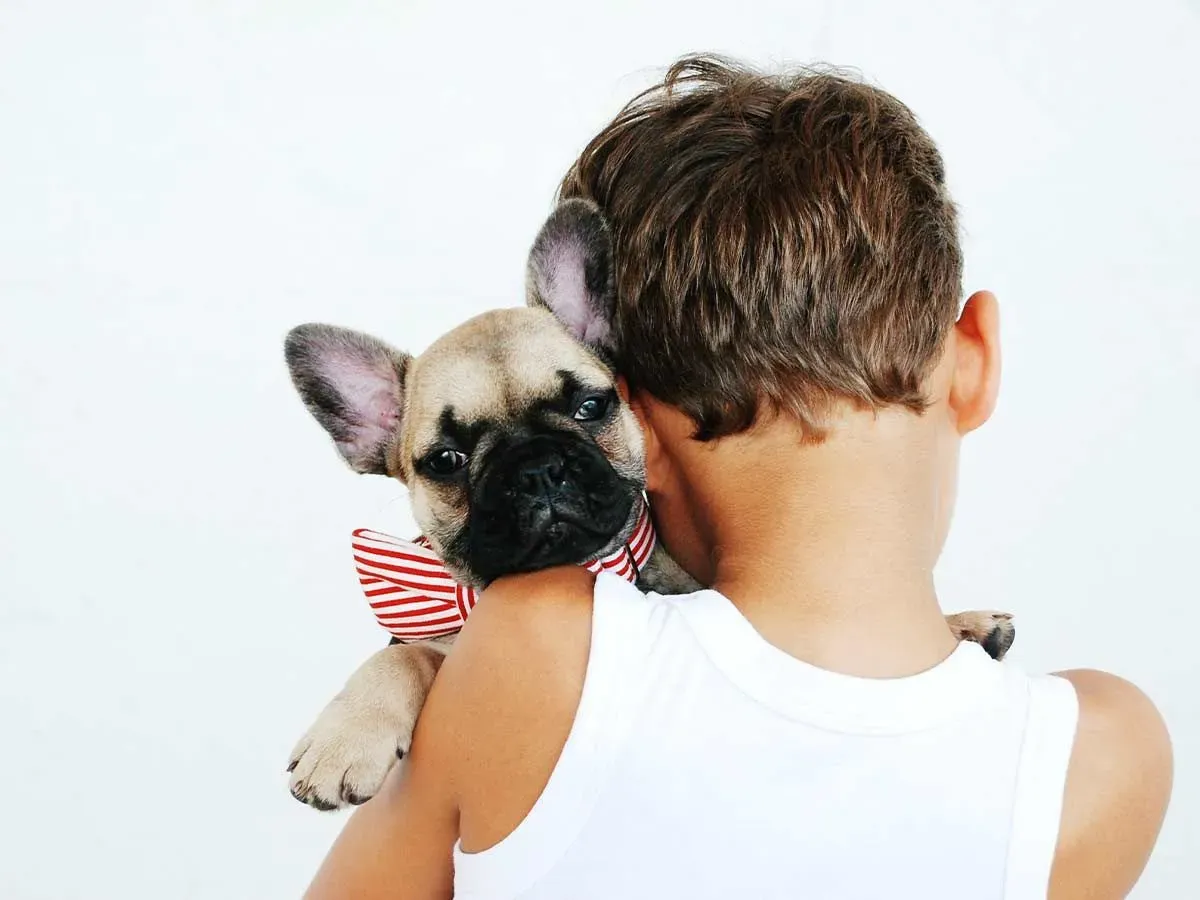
(706,763)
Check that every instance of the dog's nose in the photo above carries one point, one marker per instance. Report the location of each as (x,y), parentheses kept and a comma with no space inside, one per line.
(542,474)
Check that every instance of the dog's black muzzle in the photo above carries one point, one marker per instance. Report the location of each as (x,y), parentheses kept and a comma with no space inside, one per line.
(541,501)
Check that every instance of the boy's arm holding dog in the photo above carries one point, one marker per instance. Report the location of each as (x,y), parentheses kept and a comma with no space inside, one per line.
(503,704)
(399,844)
(492,727)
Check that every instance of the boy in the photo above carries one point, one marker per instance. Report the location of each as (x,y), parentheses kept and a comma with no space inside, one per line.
(788,322)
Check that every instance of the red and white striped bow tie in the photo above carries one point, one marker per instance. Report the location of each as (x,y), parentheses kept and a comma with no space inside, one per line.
(415,597)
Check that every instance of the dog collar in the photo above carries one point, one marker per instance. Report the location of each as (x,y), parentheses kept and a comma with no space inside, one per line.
(415,598)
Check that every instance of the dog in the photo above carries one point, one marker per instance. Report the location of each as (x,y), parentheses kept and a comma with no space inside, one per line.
(518,453)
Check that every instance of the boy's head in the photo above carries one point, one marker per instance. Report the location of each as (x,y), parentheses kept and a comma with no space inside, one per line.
(781,241)
(786,250)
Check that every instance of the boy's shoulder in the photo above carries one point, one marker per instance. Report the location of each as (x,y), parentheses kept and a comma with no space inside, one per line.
(1118,788)
(504,701)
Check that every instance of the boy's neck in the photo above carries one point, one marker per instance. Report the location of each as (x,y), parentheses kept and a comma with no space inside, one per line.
(829,549)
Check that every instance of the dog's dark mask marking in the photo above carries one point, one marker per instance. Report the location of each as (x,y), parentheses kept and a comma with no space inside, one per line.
(539,490)
(543,499)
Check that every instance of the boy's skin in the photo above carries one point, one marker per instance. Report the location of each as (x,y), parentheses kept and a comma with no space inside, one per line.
(833,565)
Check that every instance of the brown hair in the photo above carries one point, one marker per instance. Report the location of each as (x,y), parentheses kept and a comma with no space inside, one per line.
(781,241)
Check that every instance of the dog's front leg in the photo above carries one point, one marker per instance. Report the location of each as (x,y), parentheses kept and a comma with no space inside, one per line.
(349,750)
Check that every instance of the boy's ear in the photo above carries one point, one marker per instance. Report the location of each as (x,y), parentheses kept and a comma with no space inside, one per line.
(353,384)
(655,458)
(976,385)
(570,272)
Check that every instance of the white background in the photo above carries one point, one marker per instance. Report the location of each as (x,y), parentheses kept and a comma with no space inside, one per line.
(181,183)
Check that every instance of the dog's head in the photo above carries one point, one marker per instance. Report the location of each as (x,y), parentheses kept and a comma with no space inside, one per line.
(509,432)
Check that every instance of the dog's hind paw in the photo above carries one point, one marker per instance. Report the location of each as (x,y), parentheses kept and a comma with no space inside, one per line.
(994,631)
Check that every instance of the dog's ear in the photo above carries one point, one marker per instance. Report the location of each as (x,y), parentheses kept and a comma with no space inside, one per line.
(353,384)
(570,272)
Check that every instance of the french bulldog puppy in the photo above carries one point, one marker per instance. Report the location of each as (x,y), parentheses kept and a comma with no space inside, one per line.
(518,454)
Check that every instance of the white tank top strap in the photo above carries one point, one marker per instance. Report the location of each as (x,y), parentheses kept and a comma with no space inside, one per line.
(1051,722)
(624,624)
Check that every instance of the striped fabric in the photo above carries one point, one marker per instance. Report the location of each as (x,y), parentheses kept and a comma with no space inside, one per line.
(415,598)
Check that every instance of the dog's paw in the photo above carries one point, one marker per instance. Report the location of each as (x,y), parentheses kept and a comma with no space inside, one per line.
(346,754)
(994,631)
(349,750)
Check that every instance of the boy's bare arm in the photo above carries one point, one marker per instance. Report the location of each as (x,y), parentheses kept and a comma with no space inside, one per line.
(399,844)
(491,730)
(516,677)
(1117,790)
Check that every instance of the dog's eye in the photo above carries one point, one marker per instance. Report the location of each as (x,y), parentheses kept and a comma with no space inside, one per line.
(445,461)
(592,409)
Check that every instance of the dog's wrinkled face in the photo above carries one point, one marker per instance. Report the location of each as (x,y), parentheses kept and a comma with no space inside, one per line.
(516,448)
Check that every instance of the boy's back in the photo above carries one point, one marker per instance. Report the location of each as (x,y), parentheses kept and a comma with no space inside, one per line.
(702,762)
